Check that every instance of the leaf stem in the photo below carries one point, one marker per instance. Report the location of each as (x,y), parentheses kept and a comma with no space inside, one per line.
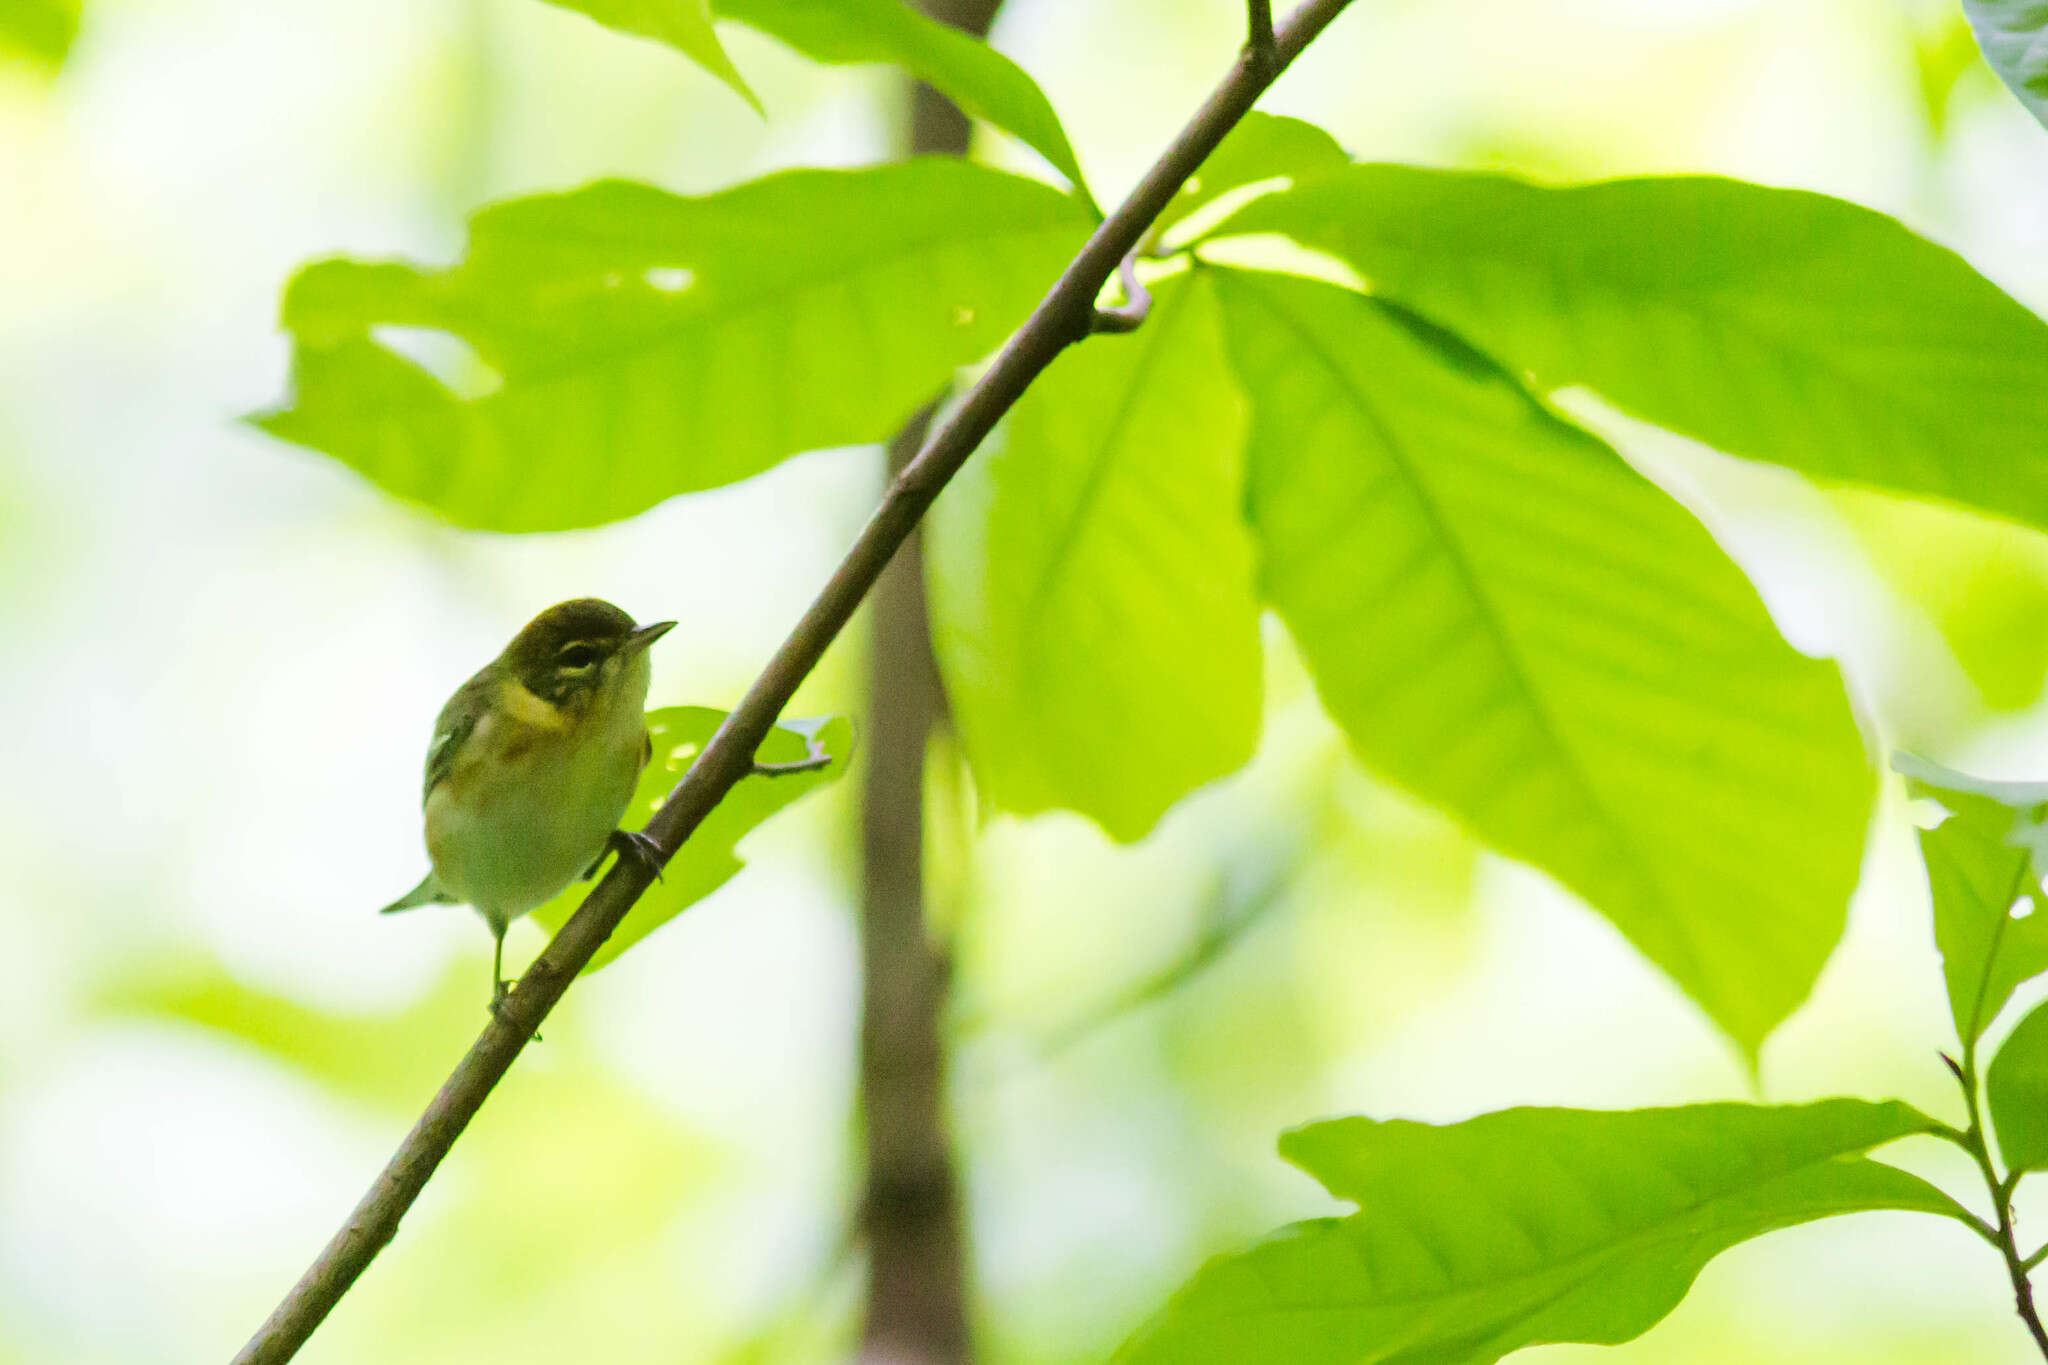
(1973,1141)
(1061,319)
(1129,315)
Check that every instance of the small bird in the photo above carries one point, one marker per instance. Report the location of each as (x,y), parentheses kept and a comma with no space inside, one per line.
(533,763)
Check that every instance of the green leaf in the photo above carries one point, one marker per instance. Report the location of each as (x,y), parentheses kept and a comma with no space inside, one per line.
(1512,623)
(2014,36)
(683,24)
(374,1057)
(1262,147)
(1981,865)
(1094,609)
(40,30)
(982,81)
(1524,1227)
(2017,1088)
(709,858)
(1774,324)
(636,344)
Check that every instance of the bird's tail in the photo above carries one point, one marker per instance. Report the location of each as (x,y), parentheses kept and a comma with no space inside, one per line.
(428,892)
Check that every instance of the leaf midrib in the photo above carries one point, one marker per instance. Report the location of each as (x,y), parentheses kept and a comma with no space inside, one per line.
(1491,619)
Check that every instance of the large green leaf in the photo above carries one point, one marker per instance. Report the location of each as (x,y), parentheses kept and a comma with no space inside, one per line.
(708,859)
(2014,36)
(683,24)
(2017,1088)
(1093,579)
(1981,865)
(641,344)
(40,30)
(1774,324)
(1512,623)
(981,80)
(1524,1227)
(1261,147)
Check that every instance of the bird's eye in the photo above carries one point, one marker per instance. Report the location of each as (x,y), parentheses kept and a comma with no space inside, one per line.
(577,657)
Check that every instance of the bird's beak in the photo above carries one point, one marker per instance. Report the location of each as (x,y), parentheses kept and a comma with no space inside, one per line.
(637,642)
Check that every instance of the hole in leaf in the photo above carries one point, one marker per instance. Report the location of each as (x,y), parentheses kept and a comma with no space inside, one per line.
(443,355)
(2022,908)
(668,279)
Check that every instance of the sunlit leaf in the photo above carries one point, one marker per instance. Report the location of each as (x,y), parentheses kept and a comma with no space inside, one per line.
(1774,324)
(1981,867)
(2014,36)
(709,859)
(1263,147)
(374,1058)
(40,30)
(683,24)
(2017,1089)
(1982,583)
(1513,624)
(1528,1226)
(982,81)
(636,344)
(1093,580)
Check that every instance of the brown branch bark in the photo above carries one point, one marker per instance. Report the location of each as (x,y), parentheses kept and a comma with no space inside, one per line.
(1062,318)
(917,1268)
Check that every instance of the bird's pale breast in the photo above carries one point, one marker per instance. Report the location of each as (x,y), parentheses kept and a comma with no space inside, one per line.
(530,802)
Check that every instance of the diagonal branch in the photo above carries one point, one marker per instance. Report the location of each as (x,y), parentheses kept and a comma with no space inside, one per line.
(1062,318)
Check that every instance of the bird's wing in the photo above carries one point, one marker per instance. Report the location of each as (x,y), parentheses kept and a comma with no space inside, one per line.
(452,729)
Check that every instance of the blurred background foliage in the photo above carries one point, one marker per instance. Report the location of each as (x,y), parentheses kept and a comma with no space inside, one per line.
(222,656)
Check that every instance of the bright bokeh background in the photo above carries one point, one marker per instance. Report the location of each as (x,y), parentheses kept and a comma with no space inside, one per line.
(219,657)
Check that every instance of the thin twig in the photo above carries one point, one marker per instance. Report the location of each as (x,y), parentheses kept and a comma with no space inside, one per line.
(1973,1141)
(1259,29)
(1129,315)
(815,761)
(1060,319)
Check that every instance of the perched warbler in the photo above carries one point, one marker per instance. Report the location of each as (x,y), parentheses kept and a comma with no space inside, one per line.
(533,763)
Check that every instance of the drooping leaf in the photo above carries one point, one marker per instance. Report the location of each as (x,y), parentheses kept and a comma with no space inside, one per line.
(708,859)
(982,81)
(1513,624)
(1774,324)
(2017,1088)
(40,30)
(1094,608)
(683,24)
(1262,147)
(1524,1227)
(1982,865)
(2014,36)
(640,344)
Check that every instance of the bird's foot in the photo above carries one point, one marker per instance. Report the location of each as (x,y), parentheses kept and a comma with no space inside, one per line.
(638,847)
(498,994)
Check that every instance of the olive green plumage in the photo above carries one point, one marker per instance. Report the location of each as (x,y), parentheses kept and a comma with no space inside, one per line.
(532,765)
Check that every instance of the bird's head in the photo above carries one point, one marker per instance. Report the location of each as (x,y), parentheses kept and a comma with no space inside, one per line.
(577,651)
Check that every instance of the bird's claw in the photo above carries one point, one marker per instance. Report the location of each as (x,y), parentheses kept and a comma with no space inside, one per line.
(639,847)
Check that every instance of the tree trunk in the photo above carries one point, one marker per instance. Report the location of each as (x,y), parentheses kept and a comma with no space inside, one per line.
(917,1260)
